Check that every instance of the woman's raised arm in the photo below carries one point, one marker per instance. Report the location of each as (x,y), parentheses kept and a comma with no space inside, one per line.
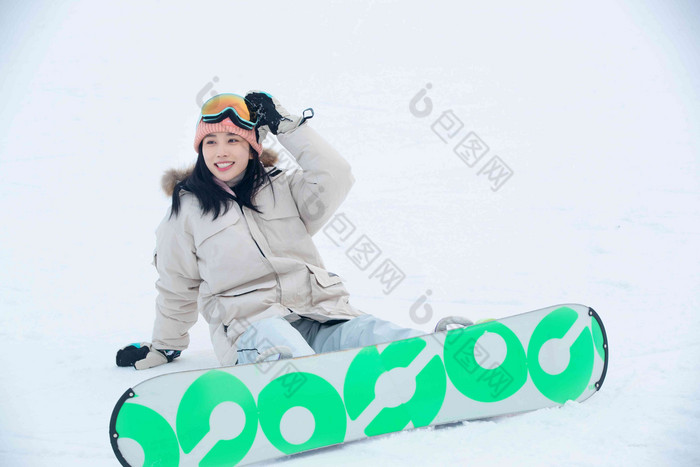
(324,181)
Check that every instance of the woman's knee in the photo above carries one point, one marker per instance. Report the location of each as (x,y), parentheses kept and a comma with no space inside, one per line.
(270,332)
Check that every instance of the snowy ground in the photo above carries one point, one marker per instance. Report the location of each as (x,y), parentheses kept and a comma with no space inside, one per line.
(593,107)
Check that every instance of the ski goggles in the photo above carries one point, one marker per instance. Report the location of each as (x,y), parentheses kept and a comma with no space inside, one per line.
(230,106)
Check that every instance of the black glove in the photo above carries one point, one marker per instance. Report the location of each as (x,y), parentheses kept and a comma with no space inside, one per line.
(272,115)
(142,356)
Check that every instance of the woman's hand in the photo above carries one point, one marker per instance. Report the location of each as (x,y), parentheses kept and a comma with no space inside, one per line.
(271,113)
(142,356)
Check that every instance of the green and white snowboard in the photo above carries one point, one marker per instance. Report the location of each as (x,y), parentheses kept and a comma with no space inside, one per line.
(249,413)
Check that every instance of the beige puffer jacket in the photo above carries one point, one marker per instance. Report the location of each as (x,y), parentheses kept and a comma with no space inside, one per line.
(244,266)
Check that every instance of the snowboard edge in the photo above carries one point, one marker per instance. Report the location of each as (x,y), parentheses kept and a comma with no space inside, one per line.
(595,316)
(113,435)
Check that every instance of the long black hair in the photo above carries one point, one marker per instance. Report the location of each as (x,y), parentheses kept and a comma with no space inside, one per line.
(212,198)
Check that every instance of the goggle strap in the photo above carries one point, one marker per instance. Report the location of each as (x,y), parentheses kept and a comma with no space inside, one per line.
(227,113)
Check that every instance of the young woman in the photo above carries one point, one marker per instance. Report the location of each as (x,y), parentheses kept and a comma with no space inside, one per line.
(236,244)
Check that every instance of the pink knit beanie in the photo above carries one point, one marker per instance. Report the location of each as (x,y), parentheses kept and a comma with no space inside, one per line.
(226,125)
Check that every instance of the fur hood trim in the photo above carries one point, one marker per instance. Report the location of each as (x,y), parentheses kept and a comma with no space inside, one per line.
(172,177)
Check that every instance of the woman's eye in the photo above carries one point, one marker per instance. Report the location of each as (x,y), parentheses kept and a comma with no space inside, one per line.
(233,140)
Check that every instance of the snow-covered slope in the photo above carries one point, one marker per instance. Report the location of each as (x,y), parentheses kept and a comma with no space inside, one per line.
(593,107)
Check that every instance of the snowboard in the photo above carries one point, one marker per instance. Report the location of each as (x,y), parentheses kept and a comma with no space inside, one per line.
(249,413)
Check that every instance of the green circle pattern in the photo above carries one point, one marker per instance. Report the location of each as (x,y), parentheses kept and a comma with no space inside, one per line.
(569,384)
(196,407)
(364,372)
(316,395)
(467,364)
(152,432)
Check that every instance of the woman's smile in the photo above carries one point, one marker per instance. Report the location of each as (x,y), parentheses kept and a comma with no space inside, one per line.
(224,166)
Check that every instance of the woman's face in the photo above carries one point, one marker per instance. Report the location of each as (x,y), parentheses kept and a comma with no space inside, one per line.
(226,155)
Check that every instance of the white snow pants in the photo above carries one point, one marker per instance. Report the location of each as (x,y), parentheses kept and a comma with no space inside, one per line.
(307,337)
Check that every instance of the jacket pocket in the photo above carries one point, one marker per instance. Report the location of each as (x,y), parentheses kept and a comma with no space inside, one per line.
(243,300)
(323,277)
(208,228)
(280,206)
(281,224)
(250,287)
(227,255)
(326,288)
